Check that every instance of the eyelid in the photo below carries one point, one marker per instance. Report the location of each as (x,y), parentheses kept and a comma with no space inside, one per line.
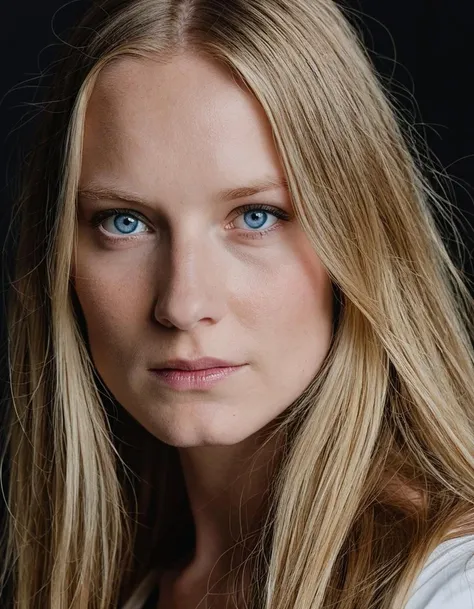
(276,211)
(106,213)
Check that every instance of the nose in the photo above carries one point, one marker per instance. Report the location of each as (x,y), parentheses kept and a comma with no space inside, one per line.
(191,290)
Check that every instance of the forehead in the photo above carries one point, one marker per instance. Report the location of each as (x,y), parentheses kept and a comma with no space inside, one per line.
(189,113)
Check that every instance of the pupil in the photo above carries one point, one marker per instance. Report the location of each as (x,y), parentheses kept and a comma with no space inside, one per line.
(257,216)
(129,222)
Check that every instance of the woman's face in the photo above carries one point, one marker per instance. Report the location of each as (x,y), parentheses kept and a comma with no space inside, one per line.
(188,271)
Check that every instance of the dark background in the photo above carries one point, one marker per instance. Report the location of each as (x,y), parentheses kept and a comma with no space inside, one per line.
(423,49)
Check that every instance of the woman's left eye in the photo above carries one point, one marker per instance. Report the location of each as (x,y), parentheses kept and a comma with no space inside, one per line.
(255,219)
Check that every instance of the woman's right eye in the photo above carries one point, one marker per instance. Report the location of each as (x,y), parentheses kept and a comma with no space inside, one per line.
(123,220)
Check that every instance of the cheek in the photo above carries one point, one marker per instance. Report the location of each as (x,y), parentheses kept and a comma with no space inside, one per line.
(292,323)
(292,295)
(110,298)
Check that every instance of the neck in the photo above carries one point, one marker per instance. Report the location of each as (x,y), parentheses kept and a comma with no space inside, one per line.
(227,487)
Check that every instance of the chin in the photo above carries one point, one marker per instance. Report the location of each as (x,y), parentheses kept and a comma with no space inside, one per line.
(188,438)
(190,442)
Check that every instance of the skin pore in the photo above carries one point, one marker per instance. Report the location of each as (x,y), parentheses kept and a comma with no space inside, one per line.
(187,273)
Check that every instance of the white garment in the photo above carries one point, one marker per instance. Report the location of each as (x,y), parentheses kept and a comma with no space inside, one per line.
(447,578)
(445,582)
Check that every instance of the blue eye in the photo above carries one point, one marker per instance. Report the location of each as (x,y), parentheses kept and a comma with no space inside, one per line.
(123,220)
(125,223)
(255,217)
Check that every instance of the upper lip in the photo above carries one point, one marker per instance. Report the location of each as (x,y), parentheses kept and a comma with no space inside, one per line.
(196,364)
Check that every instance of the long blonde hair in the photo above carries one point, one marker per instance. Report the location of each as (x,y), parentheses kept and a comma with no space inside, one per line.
(378,463)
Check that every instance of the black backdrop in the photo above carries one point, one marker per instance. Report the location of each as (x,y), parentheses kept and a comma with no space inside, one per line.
(424,47)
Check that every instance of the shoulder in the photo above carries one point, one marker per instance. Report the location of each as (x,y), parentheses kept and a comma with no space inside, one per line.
(447,579)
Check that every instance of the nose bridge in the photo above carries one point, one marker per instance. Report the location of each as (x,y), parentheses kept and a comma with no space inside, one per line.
(187,265)
(189,291)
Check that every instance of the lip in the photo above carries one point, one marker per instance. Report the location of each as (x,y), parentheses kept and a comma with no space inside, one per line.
(197,379)
(202,363)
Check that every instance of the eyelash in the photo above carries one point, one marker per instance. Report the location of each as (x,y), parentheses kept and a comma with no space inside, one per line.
(100,216)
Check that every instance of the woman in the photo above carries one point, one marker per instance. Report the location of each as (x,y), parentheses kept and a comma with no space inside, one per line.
(240,353)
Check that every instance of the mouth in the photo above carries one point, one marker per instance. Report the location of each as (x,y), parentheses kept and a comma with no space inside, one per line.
(201,363)
(197,379)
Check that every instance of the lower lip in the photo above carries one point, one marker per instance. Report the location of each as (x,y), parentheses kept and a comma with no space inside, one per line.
(194,379)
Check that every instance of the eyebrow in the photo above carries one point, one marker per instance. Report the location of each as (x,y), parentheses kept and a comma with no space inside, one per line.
(226,194)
